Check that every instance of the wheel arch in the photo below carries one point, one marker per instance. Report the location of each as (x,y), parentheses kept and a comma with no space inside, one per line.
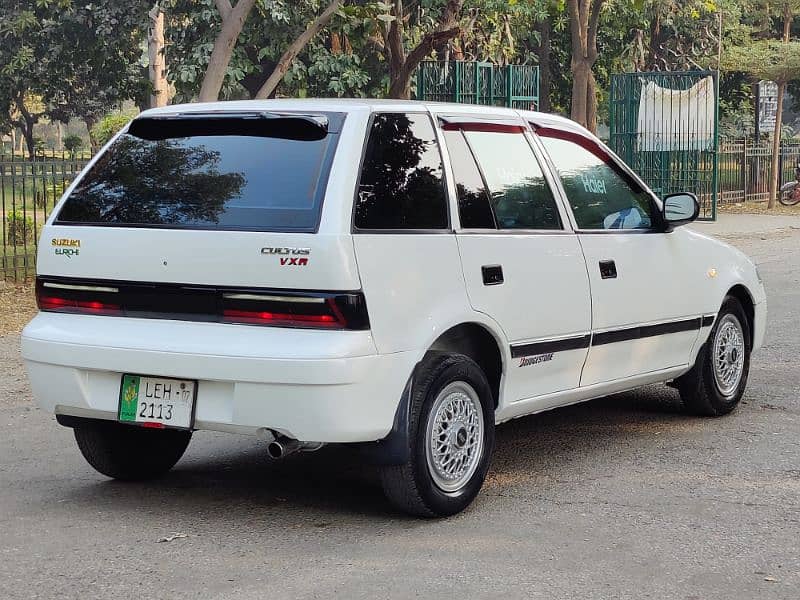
(471,338)
(477,342)
(742,294)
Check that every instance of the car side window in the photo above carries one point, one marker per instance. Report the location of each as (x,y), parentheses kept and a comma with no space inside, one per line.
(401,184)
(601,194)
(474,207)
(520,195)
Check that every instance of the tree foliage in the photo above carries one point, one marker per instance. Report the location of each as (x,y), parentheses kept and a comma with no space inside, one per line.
(72,59)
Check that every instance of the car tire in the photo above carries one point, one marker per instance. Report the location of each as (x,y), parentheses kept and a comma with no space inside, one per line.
(451,402)
(130,453)
(716,383)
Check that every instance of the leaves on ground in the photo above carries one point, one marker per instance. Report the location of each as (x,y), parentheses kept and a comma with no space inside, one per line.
(17,306)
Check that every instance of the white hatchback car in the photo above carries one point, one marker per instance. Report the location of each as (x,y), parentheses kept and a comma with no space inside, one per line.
(398,275)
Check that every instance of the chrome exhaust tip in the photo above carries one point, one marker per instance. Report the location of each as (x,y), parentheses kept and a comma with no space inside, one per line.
(282,447)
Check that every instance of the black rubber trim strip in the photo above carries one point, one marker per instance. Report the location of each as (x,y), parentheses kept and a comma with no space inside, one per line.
(634,333)
(610,337)
(536,348)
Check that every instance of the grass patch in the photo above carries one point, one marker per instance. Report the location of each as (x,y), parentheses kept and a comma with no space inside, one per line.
(17,306)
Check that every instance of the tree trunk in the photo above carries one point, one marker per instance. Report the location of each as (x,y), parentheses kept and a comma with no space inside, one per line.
(591,101)
(233,19)
(156,67)
(295,48)
(90,123)
(26,124)
(584,16)
(774,181)
(402,65)
(30,143)
(580,93)
(545,75)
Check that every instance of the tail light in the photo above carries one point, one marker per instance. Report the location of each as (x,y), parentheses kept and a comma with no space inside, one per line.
(74,298)
(340,311)
(278,308)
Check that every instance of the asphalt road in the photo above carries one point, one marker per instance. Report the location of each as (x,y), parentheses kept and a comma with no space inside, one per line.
(618,498)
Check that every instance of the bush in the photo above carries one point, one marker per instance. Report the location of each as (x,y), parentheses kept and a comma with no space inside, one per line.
(109,125)
(73,143)
(39,146)
(52,190)
(19,229)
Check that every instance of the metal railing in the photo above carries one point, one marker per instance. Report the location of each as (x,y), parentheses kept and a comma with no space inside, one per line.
(28,192)
(665,126)
(745,167)
(515,86)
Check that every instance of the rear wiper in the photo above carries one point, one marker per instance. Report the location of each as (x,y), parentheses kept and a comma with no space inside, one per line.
(291,126)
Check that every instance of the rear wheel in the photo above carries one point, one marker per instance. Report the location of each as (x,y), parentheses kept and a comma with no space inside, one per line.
(130,453)
(716,383)
(451,438)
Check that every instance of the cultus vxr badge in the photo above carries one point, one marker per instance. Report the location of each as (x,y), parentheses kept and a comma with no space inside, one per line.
(289,256)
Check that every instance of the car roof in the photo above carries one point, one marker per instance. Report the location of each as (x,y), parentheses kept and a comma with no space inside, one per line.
(362,105)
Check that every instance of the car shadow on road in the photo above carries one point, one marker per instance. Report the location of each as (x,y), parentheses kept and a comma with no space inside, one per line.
(234,474)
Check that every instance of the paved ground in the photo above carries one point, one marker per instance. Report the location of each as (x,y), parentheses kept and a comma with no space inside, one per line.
(617,498)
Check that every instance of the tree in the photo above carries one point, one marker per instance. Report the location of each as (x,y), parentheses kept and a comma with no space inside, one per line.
(777,61)
(156,64)
(402,63)
(774,60)
(295,48)
(209,63)
(73,143)
(233,19)
(63,59)
(584,18)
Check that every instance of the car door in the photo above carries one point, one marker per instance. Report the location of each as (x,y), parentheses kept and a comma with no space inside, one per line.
(643,318)
(522,266)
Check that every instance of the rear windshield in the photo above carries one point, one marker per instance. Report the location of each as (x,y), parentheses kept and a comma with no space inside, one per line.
(261,172)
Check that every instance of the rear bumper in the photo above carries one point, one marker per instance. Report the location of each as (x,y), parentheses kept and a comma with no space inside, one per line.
(316,386)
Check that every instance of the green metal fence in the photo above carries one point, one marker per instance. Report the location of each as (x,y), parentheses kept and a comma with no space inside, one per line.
(515,86)
(665,126)
(28,193)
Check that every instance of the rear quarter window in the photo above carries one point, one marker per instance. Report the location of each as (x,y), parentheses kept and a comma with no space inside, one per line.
(401,185)
(235,173)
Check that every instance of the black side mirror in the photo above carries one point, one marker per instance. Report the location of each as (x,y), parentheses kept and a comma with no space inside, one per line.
(680,209)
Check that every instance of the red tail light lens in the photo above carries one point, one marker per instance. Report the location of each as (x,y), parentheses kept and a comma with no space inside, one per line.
(185,302)
(83,299)
(343,311)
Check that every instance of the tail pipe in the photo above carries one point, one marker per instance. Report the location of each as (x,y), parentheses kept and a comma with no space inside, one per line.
(282,446)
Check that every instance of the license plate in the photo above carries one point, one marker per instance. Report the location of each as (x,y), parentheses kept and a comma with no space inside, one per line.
(157,401)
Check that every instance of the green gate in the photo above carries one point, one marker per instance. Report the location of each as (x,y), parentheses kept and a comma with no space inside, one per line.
(515,86)
(665,126)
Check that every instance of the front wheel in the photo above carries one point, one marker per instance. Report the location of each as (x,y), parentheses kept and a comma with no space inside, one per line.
(790,194)
(716,383)
(451,438)
(130,453)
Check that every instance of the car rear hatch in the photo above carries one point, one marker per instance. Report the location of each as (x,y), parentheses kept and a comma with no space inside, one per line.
(211,216)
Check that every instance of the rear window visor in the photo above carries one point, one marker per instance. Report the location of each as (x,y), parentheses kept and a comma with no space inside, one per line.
(242,171)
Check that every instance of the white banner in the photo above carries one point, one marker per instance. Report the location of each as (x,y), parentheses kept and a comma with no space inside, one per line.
(677,119)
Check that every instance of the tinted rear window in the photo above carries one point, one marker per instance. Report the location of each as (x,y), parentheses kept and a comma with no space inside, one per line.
(236,173)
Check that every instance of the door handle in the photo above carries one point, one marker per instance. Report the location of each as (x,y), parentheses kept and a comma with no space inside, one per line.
(608,269)
(492,274)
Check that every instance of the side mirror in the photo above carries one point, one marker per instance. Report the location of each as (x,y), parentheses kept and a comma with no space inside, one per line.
(680,209)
